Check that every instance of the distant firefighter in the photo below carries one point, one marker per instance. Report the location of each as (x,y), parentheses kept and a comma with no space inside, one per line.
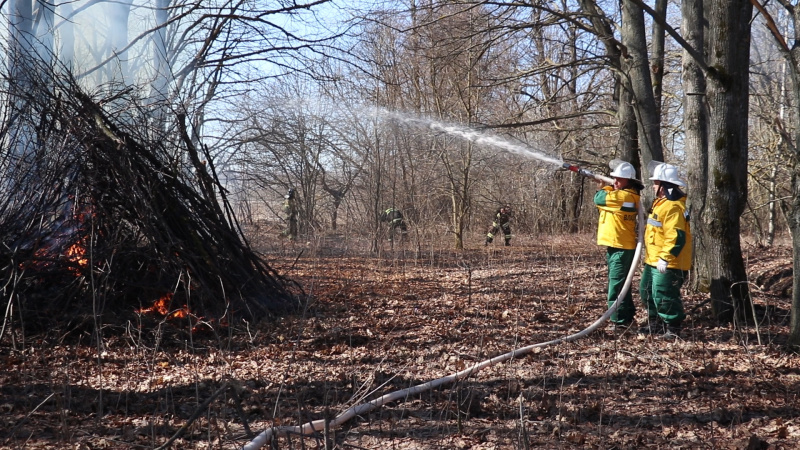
(396,222)
(501,221)
(290,209)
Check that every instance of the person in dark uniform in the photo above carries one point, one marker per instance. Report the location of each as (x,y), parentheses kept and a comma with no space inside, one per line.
(396,222)
(501,221)
(290,209)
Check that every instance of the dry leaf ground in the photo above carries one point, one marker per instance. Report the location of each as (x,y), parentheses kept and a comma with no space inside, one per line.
(374,323)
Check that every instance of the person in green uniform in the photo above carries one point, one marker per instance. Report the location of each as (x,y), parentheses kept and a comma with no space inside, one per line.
(616,230)
(668,258)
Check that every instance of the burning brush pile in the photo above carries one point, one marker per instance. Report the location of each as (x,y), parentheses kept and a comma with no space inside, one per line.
(104,209)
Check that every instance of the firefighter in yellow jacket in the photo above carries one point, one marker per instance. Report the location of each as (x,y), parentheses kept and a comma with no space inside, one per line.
(616,229)
(668,246)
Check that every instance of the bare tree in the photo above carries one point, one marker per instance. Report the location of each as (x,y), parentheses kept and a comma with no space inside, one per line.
(792,141)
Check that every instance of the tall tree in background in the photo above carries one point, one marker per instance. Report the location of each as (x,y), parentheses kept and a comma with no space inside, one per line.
(638,109)
(636,67)
(657,51)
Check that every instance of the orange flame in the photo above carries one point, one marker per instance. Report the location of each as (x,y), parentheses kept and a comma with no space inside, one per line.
(77,254)
(161,306)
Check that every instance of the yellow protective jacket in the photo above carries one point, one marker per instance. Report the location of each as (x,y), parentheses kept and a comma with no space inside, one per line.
(617,224)
(668,235)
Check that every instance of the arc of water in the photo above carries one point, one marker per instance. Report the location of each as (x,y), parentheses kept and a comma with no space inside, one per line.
(479,137)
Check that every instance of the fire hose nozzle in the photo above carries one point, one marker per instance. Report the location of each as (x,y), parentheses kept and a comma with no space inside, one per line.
(587,173)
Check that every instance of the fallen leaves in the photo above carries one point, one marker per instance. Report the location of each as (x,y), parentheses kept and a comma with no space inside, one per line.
(383,324)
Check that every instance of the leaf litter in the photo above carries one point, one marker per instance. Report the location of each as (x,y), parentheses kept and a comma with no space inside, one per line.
(375,324)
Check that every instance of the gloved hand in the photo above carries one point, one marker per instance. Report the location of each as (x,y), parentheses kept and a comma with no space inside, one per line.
(662,266)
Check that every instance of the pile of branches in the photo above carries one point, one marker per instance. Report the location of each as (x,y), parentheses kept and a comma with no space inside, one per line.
(110,205)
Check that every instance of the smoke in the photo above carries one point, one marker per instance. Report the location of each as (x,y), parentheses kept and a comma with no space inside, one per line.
(97,41)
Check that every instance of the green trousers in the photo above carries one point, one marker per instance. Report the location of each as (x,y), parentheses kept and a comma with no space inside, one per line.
(661,294)
(619,263)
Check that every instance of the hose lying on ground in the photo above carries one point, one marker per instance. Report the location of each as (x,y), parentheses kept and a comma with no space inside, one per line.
(319,425)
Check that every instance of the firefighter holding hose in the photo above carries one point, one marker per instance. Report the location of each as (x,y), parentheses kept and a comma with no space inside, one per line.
(616,230)
(668,246)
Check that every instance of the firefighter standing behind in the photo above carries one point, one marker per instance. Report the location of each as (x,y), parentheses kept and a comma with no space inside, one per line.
(501,221)
(668,243)
(396,222)
(616,229)
(290,209)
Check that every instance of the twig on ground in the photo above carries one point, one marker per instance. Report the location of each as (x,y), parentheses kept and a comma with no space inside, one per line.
(200,409)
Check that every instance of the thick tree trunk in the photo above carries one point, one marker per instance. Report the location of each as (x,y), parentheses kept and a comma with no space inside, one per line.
(628,143)
(794,225)
(793,215)
(695,124)
(726,194)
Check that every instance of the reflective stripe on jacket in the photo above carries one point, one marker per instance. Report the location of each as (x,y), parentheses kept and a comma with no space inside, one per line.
(668,235)
(617,224)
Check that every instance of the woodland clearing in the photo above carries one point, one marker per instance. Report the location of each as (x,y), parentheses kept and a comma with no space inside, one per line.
(374,323)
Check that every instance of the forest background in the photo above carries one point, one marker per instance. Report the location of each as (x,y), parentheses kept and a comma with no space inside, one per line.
(148,146)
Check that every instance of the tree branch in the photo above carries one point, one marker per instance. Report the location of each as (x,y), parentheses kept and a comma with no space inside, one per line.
(678,38)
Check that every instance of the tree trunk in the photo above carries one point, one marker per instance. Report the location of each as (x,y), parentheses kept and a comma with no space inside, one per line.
(636,66)
(695,124)
(66,51)
(628,143)
(794,225)
(771,209)
(720,258)
(159,86)
(118,18)
(658,53)
(793,214)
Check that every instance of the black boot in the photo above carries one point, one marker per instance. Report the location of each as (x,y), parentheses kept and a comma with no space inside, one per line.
(621,327)
(653,326)
(508,243)
(673,330)
(488,241)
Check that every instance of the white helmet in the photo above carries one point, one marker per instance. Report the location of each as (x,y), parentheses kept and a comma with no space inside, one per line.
(622,169)
(668,173)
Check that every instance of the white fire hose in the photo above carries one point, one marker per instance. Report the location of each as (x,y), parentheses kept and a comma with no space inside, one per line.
(319,425)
